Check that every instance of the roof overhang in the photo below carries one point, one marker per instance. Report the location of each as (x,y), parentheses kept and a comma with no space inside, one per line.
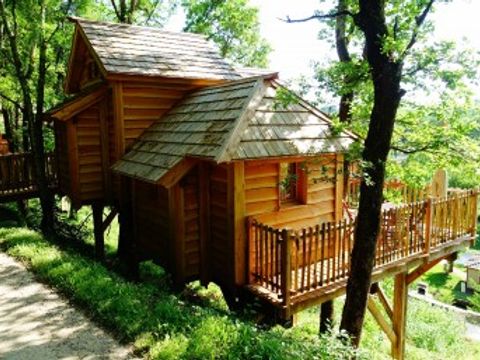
(72,107)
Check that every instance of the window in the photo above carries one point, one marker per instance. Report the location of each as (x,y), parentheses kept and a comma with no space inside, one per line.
(292,183)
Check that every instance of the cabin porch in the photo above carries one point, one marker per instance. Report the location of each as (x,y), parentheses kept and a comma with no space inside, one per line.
(293,268)
(17,180)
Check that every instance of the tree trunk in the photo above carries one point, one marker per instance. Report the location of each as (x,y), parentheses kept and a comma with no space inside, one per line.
(7,120)
(386,76)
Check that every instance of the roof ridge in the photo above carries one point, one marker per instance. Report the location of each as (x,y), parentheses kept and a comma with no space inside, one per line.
(249,109)
(77,19)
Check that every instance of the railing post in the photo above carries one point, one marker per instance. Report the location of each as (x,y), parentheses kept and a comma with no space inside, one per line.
(251,251)
(428,223)
(474,215)
(286,270)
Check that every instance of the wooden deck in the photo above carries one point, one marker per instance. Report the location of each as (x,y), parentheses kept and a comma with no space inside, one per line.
(17,180)
(295,269)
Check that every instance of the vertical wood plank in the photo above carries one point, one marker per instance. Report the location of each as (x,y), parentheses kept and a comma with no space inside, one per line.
(204,223)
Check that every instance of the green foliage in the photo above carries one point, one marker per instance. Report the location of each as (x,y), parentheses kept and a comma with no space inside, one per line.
(163,325)
(233,25)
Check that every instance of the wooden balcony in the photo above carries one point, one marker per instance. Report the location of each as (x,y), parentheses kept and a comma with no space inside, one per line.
(17,180)
(296,268)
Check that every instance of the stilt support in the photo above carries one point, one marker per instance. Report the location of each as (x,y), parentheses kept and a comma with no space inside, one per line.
(326,316)
(97,209)
(400,315)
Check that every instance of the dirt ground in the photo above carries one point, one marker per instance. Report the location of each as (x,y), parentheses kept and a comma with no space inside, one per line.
(35,323)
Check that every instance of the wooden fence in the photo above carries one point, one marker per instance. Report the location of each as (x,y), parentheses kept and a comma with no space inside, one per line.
(289,263)
(393,190)
(17,174)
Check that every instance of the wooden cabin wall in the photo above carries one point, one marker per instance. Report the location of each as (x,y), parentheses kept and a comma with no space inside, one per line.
(90,170)
(143,103)
(261,187)
(151,222)
(191,218)
(62,151)
(219,256)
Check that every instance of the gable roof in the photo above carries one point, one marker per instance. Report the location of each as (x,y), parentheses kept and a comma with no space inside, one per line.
(239,120)
(149,51)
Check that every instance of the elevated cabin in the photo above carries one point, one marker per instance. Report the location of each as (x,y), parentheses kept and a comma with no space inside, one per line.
(222,154)
(216,179)
(121,78)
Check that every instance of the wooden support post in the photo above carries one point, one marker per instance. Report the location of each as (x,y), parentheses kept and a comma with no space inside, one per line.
(286,270)
(239,225)
(400,299)
(204,212)
(97,210)
(326,316)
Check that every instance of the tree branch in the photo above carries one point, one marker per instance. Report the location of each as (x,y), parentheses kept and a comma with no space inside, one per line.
(9,99)
(419,20)
(318,16)
(115,9)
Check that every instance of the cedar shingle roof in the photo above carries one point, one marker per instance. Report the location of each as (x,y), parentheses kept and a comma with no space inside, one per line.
(239,120)
(137,50)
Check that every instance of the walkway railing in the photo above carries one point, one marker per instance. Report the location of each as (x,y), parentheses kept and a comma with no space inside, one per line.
(288,264)
(17,175)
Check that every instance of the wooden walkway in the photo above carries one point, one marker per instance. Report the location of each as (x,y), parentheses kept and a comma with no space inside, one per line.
(296,269)
(17,180)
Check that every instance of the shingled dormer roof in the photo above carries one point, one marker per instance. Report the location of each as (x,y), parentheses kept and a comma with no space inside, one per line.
(240,120)
(149,51)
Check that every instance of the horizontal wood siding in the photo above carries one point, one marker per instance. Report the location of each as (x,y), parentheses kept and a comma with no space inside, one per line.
(143,103)
(191,218)
(89,154)
(61,148)
(152,221)
(321,187)
(262,191)
(261,187)
(218,246)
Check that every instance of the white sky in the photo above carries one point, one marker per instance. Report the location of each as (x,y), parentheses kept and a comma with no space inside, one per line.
(295,46)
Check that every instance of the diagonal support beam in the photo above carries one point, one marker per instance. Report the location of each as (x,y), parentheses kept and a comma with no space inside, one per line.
(108,220)
(422,269)
(381,321)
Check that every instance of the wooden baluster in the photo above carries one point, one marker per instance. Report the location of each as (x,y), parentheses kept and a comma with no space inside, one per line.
(316,258)
(342,239)
(272,256)
(322,262)
(309,257)
(267,256)
(328,251)
(286,267)
(297,254)
(430,209)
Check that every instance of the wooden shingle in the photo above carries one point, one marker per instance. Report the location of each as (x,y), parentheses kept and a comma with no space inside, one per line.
(239,120)
(148,51)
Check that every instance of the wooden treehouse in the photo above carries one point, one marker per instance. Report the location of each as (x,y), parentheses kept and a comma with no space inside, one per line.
(216,180)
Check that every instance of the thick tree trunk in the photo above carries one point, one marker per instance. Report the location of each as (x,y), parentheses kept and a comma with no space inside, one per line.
(386,76)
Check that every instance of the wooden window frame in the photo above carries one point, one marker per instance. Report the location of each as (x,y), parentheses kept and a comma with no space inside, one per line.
(299,192)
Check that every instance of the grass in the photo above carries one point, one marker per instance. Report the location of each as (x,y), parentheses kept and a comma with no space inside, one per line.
(161,324)
(196,323)
(443,286)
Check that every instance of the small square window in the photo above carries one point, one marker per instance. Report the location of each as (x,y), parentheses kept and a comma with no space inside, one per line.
(292,183)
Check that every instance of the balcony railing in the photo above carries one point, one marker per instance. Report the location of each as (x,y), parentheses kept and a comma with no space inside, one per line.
(17,174)
(286,264)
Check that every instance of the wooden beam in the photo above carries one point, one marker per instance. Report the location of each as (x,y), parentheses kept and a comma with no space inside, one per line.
(400,315)
(74,107)
(105,150)
(422,269)
(240,233)
(380,319)
(385,303)
(204,215)
(97,210)
(118,119)
(73,164)
(108,220)
(177,172)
